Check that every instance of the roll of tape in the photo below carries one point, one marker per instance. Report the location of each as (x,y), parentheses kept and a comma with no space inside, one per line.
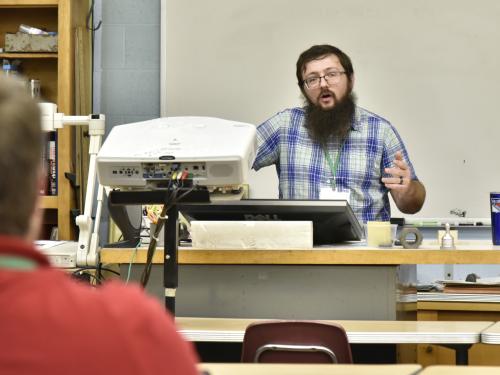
(410,237)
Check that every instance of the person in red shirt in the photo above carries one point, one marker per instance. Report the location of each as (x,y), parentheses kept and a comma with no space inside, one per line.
(49,323)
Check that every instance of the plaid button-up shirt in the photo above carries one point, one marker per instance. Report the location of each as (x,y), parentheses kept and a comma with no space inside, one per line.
(303,168)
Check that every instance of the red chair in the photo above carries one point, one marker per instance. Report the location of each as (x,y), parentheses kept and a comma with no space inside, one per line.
(295,342)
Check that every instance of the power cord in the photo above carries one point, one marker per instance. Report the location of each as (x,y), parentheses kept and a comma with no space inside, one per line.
(172,200)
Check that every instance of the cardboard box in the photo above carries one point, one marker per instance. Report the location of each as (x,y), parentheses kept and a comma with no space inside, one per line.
(22,42)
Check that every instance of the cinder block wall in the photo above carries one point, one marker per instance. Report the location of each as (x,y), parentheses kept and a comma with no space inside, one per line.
(126,64)
(127,61)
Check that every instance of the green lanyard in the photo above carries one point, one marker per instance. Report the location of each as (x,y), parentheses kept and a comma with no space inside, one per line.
(17,263)
(333,166)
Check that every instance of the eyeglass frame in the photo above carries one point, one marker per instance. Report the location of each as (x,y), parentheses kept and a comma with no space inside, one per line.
(337,74)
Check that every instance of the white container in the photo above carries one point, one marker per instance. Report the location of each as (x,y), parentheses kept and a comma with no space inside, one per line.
(380,233)
(252,234)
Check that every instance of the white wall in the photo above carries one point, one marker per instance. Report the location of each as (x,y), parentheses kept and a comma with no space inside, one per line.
(430,67)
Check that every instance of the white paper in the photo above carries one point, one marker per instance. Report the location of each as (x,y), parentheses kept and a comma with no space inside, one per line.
(329,193)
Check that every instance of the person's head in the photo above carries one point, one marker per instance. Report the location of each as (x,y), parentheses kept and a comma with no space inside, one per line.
(325,75)
(20,158)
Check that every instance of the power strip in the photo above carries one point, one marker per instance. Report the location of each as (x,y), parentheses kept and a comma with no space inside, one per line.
(61,254)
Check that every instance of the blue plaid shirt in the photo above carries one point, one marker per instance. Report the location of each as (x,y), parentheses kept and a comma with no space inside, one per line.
(303,169)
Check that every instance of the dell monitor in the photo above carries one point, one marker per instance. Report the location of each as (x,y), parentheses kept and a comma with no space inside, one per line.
(333,220)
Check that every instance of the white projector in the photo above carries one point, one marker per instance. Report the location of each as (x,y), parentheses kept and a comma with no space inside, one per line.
(145,155)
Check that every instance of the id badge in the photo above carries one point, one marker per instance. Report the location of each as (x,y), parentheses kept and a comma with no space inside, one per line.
(329,193)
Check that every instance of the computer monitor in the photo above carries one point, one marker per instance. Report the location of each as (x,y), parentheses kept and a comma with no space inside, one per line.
(333,220)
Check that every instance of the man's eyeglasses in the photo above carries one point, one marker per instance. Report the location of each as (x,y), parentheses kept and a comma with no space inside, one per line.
(331,78)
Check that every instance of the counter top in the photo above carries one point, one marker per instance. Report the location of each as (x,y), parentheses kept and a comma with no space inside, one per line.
(467,252)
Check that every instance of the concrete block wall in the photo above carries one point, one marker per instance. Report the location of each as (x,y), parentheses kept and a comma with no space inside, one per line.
(126,65)
(127,60)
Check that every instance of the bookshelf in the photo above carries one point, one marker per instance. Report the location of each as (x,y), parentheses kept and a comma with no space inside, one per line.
(56,72)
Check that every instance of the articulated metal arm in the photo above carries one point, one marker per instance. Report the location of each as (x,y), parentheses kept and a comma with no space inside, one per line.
(88,239)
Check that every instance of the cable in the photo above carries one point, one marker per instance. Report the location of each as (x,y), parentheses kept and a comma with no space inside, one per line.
(175,184)
(90,16)
(80,272)
(98,271)
(132,262)
(93,29)
(152,246)
(171,201)
(97,278)
(95,268)
(184,194)
(110,270)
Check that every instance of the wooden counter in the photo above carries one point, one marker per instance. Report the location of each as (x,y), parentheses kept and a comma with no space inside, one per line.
(260,283)
(460,370)
(468,252)
(300,369)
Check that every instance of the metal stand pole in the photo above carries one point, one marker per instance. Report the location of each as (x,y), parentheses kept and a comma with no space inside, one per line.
(170,263)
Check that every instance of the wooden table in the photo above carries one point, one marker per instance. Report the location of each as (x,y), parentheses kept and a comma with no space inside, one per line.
(491,335)
(457,335)
(303,369)
(434,309)
(460,370)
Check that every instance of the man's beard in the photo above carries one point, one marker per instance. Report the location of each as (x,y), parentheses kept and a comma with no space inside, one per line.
(324,125)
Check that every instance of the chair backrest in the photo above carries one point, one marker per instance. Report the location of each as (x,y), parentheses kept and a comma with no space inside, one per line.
(294,341)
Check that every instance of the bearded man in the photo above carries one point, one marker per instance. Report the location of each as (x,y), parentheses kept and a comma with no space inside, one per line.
(331,148)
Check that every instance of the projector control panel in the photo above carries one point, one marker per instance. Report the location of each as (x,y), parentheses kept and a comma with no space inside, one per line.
(162,170)
(153,173)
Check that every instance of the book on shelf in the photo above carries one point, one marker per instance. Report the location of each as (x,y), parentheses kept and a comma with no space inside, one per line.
(49,162)
(53,164)
(54,234)
(44,160)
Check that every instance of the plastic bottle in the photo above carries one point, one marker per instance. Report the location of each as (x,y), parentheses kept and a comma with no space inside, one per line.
(6,67)
(10,68)
(447,241)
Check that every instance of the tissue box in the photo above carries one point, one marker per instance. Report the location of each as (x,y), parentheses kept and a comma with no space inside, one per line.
(22,42)
(252,234)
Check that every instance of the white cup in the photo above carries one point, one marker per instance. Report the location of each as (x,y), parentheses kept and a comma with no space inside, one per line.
(380,233)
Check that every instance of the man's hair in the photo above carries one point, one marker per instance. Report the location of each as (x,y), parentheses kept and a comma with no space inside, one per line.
(20,156)
(318,52)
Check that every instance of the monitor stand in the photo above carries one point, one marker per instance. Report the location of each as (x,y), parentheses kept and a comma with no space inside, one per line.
(171,244)
(122,217)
